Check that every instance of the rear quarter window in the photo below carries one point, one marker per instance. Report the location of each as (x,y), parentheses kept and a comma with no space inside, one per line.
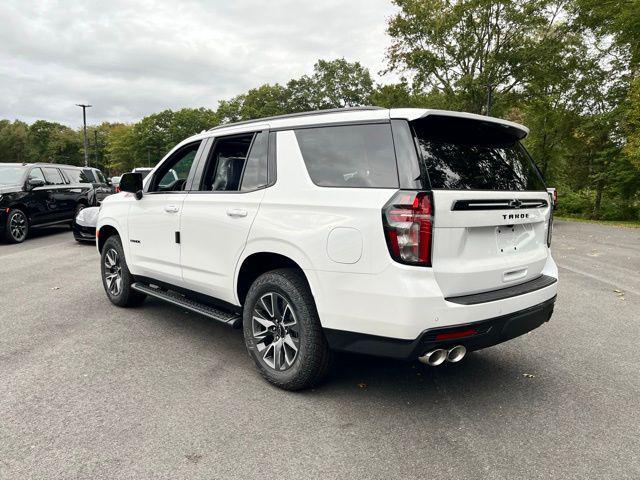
(356,156)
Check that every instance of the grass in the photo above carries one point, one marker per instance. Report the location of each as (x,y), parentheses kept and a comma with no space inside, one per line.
(615,223)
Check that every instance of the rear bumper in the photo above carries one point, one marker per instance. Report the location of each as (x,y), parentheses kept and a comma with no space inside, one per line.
(489,332)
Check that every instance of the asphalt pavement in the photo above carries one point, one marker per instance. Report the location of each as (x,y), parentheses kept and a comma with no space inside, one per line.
(92,391)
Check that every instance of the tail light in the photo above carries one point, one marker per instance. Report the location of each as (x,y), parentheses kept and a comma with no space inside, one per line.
(118,189)
(408,224)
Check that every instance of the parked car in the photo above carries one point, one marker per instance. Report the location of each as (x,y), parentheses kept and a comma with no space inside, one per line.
(87,175)
(36,195)
(405,233)
(84,225)
(144,171)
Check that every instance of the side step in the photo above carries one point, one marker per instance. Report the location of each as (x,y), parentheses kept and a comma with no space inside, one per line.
(232,319)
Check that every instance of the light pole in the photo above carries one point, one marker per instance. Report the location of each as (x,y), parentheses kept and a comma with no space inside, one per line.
(84,121)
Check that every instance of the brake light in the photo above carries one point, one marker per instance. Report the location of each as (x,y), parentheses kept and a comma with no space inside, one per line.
(408,222)
(118,189)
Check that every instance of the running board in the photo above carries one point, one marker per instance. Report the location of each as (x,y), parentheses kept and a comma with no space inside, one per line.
(232,319)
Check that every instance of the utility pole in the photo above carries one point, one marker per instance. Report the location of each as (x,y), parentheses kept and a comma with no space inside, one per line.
(148,155)
(86,142)
(489,98)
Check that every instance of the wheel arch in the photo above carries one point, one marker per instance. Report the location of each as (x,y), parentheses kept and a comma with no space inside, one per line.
(257,263)
(104,232)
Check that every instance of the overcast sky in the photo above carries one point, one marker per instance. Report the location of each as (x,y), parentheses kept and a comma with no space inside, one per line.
(130,59)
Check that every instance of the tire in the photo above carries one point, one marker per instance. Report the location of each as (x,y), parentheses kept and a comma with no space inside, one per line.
(16,228)
(79,207)
(116,278)
(287,345)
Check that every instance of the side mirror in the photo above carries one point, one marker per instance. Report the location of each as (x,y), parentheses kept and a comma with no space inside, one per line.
(132,183)
(35,182)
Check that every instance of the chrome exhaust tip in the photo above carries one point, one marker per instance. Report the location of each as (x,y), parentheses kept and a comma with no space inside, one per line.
(434,357)
(456,353)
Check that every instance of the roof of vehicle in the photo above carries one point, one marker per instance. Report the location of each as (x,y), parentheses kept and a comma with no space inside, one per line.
(137,169)
(351,114)
(40,164)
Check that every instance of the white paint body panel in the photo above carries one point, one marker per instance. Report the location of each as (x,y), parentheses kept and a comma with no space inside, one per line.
(336,237)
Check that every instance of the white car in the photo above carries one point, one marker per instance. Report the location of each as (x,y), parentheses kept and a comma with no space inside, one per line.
(405,233)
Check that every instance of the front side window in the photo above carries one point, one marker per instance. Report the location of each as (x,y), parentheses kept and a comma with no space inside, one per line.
(36,173)
(357,156)
(88,175)
(173,173)
(53,176)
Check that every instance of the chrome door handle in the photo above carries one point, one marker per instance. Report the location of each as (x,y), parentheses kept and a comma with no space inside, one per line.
(171,208)
(236,212)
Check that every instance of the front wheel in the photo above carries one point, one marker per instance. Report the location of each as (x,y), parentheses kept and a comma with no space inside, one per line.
(16,226)
(282,331)
(116,278)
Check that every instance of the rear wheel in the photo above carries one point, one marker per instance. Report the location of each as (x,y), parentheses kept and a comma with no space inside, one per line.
(116,278)
(16,226)
(282,331)
(79,208)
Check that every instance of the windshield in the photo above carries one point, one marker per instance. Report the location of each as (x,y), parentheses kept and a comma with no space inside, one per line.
(463,154)
(11,174)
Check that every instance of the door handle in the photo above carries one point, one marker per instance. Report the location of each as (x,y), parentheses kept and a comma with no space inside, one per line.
(236,212)
(171,208)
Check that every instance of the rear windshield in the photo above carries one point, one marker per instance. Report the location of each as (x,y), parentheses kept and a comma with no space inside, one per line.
(463,154)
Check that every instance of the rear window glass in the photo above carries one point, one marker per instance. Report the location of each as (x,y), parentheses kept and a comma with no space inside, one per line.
(360,156)
(463,154)
(75,175)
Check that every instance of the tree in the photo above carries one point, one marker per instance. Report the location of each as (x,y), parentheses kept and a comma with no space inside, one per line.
(120,149)
(467,49)
(333,84)
(14,141)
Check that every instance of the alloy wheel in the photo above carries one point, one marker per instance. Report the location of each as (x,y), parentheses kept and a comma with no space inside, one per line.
(276,331)
(18,226)
(113,272)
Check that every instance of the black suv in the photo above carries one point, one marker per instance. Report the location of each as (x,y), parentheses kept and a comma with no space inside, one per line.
(37,195)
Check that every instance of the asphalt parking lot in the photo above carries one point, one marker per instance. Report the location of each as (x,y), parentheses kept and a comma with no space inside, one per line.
(91,391)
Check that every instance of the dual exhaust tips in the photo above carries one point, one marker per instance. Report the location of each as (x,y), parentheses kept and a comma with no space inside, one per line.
(440,355)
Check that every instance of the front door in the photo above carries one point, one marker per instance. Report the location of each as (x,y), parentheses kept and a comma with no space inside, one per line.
(217,215)
(154,220)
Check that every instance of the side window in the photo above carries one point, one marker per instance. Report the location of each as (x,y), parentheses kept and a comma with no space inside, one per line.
(36,173)
(100,176)
(88,176)
(173,173)
(255,170)
(356,156)
(53,176)
(75,175)
(226,163)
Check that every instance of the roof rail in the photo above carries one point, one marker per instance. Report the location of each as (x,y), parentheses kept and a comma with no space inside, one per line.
(299,114)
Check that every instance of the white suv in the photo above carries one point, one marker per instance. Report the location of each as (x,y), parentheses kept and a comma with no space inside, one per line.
(405,233)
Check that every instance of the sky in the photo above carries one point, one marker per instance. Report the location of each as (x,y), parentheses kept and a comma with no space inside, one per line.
(129,59)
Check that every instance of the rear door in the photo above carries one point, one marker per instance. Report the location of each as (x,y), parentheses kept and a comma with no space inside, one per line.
(61,206)
(491,206)
(217,215)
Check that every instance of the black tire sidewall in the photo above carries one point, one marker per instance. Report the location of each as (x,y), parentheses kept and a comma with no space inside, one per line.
(8,235)
(285,283)
(127,295)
